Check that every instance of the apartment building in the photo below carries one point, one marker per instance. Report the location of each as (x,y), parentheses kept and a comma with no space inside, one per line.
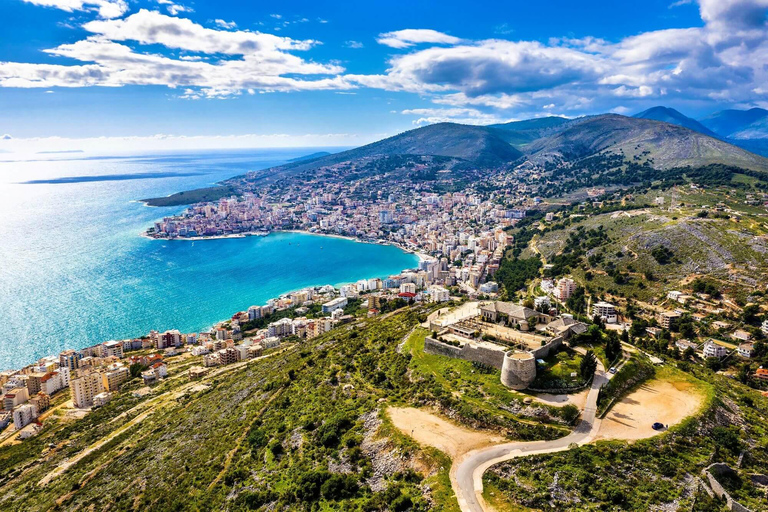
(84,388)
(114,377)
(565,288)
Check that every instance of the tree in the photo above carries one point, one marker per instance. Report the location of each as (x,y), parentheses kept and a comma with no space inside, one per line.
(136,369)
(612,347)
(687,329)
(588,365)
(662,255)
(728,438)
(339,487)
(598,320)
(577,302)
(750,312)
(569,413)
(713,363)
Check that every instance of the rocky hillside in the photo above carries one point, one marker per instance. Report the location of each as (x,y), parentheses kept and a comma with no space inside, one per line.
(521,133)
(662,144)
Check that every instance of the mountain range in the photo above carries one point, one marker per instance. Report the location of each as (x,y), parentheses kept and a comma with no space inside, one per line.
(747,129)
(660,136)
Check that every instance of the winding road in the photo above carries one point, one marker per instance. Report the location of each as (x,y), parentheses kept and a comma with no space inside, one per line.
(468,474)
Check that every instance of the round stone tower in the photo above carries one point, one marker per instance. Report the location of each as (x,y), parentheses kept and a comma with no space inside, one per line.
(518,369)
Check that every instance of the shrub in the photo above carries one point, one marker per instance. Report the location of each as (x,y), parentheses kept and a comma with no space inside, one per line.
(339,487)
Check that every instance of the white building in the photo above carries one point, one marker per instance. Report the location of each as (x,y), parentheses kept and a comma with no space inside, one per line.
(112,348)
(764,327)
(200,350)
(606,311)
(333,305)
(408,288)
(102,399)
(439,294)
(254,313)
(746,350)
(281,328)
(155,372)
(348,290)
(54,381)
(489,287)
(23,415)
(85,388)
(712,349)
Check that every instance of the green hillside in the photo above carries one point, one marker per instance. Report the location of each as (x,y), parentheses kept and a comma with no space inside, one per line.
(663,145)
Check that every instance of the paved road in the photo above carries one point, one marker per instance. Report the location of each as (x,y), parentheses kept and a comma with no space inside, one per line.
(468,477)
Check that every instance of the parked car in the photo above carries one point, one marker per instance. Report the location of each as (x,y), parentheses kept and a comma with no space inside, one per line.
(658,426)
(613,369)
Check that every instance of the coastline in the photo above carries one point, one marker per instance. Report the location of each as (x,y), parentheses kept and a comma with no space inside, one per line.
(421,256)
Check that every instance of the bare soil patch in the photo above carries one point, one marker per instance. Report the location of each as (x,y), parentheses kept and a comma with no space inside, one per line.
(578,399)
(431,430)
(667,402)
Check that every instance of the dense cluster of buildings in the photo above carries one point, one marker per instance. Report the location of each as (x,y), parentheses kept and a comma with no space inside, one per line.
(462,230)
(94,374)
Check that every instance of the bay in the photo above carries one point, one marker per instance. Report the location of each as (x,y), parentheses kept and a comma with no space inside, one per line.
(74,270)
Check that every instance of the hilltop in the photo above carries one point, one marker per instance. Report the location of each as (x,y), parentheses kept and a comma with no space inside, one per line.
(521,133)
(672,116)
(661,144)
(466,151)
(475,145)
(739,124)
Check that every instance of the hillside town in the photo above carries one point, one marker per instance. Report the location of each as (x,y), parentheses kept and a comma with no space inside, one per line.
(462,232)
(91,376)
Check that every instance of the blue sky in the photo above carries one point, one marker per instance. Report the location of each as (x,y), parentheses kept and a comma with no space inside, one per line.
(239,73)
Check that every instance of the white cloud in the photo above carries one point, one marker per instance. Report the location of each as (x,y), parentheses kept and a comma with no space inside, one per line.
(410,37)
(721,61)
(225,24)
(453,115)
(173,8)
(176,9)
(354,44)
(105,8)
(149,27)
(253,60)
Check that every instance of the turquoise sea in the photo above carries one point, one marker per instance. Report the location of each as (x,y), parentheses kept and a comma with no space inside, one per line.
(74,270)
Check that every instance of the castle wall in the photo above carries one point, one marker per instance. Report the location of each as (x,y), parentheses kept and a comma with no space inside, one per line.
(483,355)
(550,348)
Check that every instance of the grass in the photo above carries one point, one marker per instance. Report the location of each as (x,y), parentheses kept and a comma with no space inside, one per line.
(646,474)
(477,389)
(557,369)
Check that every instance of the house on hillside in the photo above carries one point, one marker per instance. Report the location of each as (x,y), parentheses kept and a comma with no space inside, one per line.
(712,349)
